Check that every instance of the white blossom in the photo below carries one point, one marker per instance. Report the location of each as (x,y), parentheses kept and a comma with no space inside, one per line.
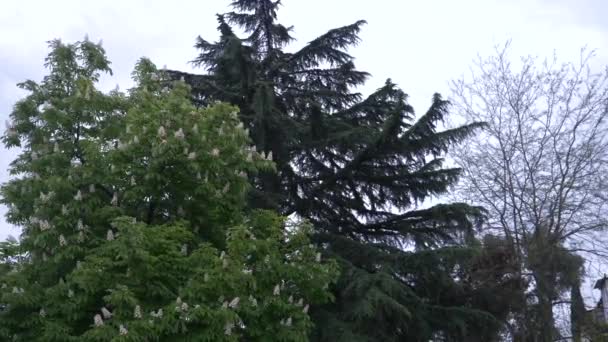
(192,155)
(78,196)
(158,314)
(288,322)
(226,188)
(253,301)
(114,201)
(122,330)
(14,209)
(137,312)
(247,271)
(263,155)
(161,132)
(79,225)
(277,290)
(98,320)
(305,310)
(106,313)
(228,328)
(135,140)
(318,257)
(42,313)
(184,249)
(64,210)
(300,302)
(234,303)
(215,152)
(44,225)
(198,176)
(62,240)
(80,238)
(133,181)
(222,255)
(70,293)
(10,128)
(184,306)
(179,134)
(178,301)
(110,235)
(269,157)
(45,197)
(290,299)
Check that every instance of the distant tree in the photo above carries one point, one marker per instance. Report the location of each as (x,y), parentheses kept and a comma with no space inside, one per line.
(540,168)
(357,168)
(134,228)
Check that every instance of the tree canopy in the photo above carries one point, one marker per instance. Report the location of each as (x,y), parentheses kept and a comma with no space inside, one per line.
(357,167)
(134,220)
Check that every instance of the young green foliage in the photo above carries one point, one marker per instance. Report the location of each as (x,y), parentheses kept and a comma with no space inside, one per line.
(134,228)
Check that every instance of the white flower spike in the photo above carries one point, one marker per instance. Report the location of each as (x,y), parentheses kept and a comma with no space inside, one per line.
(98,321)
(122,330)
(106,313)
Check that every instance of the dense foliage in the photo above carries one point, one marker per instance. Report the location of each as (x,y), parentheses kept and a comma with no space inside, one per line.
(134,220)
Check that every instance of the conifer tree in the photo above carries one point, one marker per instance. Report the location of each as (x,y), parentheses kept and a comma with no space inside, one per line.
(134,228)
(357,167)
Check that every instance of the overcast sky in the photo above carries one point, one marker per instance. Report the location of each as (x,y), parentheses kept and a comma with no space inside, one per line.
(420,44)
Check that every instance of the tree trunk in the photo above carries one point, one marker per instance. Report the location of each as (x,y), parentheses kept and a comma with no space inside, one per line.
(577,313)
(546,323)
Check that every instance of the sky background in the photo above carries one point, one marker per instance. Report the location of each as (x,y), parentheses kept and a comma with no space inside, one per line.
(420,44)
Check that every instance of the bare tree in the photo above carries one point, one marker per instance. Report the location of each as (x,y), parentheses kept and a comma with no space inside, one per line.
(540,167)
